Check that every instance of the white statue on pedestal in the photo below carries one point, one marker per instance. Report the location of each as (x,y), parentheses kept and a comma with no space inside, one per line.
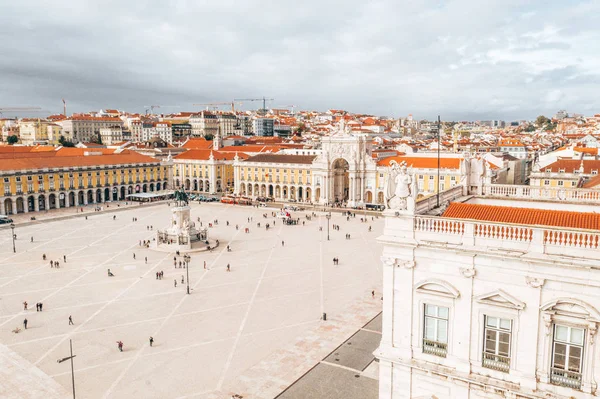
(400,190)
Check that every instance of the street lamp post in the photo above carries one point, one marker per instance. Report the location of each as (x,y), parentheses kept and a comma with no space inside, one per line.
(186,259)
(12,227)
(328,216)
(72,371)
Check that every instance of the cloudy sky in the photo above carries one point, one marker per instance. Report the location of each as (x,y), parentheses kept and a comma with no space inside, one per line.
(464,59)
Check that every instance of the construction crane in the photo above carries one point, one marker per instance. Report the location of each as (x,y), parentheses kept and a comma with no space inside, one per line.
(264,101)
(288,106)
(215,105)
(151,108)
(19,109)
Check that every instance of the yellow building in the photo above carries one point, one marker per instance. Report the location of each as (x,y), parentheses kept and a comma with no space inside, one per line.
(277,176)
(425,170)
(33,131)
(564,173)
(205,170)
(41,178)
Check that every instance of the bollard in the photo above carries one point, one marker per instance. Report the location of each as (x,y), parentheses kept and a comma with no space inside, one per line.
(324,316)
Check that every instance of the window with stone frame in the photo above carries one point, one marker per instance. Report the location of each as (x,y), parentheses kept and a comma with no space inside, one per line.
(567,356)
(496,344)
(435,330)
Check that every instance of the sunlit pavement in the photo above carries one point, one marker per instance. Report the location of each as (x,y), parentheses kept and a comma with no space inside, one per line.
(250,331)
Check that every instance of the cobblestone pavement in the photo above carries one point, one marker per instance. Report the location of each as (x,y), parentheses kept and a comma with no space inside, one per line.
(206,345)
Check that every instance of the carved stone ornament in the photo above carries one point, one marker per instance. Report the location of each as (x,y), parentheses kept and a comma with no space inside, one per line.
(409,264)
(388,261)
(535,282)
(468,272)
(593,329)
(548,322)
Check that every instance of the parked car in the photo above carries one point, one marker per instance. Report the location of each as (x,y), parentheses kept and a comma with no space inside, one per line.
(5,219)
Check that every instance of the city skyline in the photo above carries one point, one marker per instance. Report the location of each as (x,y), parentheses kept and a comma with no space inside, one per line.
(510,61)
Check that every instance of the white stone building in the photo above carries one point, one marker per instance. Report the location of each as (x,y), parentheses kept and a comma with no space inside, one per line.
(81,128)
(111,135)
(496,298)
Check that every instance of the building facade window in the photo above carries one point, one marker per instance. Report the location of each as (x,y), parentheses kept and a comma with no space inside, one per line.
(435,330)
(496,346)
(567,356)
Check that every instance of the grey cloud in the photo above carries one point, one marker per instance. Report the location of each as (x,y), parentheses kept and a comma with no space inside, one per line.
(382,57)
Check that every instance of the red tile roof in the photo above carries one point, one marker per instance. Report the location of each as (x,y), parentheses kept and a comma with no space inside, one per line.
(252,148)
(529,216)
(70,157)
(94,118)
(594,182)
(282,158)
(204,155)
(422,162)
(569,165)
(586,150)
(198,144)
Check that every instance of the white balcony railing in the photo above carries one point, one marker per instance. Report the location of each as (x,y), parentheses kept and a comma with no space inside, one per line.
(565,378)
(482,234)
(543,193)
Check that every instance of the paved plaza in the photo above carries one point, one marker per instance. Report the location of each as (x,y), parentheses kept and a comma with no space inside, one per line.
(252,331)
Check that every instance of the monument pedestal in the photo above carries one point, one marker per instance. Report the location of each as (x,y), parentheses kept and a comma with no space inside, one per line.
(182,235)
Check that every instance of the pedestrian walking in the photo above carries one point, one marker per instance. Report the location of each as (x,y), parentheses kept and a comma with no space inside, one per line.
(25,323)
(51,263)
(282,243)
(37,307)
(373,294)
(151,341)
(32,239)
(65,258)
(134,256)
(71,321)
(204,264)
(182,280)
(228,268)
(146,259)
(175,283)
(25,305)
(157,275)
(120,345)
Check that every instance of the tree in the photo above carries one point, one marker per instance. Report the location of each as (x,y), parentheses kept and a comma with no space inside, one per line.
(300,128)
(12,139)
(96,139)
(541,120)
(209,136)
(64,142)
(530,128)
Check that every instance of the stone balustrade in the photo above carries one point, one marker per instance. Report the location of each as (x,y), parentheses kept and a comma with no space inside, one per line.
(542,193)
(509,237)
(426,204)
